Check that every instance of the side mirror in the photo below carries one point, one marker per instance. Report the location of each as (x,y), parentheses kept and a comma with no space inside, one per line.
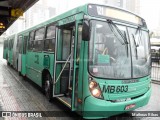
(85,31)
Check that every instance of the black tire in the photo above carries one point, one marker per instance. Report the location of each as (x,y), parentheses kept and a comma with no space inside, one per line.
(48,87)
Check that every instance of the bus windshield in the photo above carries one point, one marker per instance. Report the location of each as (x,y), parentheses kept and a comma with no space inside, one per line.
(113,54)
(141,57)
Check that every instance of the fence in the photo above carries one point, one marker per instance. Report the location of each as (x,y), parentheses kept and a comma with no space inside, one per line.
(155,56)
(155,73)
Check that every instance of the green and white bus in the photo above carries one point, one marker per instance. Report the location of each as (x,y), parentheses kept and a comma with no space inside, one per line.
(95,59)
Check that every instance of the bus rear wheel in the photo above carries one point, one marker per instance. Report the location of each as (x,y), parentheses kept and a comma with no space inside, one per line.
(48,87)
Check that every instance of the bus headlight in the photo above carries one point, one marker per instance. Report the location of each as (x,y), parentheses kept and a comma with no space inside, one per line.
(96,92)
(95,89)
(92,84)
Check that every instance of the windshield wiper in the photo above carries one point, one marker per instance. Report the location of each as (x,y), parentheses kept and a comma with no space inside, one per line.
(124,38)
(112,24)
(126,44)
(139,36)
(136,43)
(135,46)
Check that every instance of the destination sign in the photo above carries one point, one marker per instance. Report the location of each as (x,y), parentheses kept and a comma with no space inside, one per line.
(105,11)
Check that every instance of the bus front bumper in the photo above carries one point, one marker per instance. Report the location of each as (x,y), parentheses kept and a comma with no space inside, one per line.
(97,108)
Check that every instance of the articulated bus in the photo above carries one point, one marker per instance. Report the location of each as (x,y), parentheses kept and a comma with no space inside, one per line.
(95,59)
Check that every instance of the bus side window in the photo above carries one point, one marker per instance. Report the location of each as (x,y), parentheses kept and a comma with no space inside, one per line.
(31,41)
(11,43)
(49,43)
(79,42)
(25,44)
(5,44)
(38,42)
(19,47)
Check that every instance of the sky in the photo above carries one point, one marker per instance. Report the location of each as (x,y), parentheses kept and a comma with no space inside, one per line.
(64,5)
(150,11)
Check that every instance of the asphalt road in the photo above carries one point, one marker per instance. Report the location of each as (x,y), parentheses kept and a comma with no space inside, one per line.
(17,94)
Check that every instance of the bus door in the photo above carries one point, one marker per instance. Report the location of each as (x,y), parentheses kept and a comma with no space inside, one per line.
(65,64)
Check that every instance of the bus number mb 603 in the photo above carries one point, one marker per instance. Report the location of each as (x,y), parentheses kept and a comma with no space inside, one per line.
(112,89)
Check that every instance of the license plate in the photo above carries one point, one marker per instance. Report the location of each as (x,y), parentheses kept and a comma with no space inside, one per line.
(130,106)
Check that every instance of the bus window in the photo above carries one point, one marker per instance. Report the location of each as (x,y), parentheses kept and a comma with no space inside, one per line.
(39,34)
(19,44)
(51,32)
(31,42)
(25,44)
(31,37)
(5,44)
(10,44)
(49,43)
(38,43)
